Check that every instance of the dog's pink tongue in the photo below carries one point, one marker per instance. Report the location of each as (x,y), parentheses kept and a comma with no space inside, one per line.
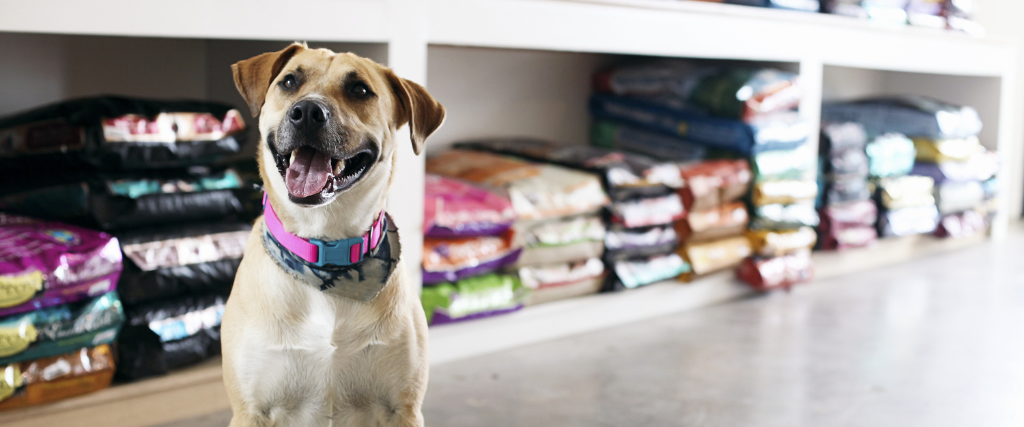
(308,173)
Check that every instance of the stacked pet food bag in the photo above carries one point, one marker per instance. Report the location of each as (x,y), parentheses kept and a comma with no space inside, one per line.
(468,238)
(557,236)
(800,5)
(941,14)
(941,176)
(848,213)
(59,313)
(143,171)
(640,243)
(738,114)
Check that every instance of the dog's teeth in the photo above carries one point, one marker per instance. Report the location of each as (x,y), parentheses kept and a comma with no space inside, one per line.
(339,166)
(292,159)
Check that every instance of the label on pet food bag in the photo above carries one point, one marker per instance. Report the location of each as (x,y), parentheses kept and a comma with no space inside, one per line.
(150,256)
(16,336)
(188,324)
(41,137)
(15,290)
(168,128)
(10,381)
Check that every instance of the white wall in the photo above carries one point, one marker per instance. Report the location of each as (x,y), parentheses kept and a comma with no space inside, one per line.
(31,71)
(1002,18)
(505,92)
(40,69)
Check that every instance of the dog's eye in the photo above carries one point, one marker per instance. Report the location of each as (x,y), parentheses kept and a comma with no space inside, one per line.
(359,90)
(289,82)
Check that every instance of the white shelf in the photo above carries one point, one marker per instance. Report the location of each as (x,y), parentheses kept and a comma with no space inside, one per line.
(637,27)
(323,20)
(703,30)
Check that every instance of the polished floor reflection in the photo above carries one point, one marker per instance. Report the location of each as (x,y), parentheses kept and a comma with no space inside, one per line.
(935,342)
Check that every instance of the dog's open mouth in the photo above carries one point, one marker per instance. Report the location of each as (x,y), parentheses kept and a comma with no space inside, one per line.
(313,176)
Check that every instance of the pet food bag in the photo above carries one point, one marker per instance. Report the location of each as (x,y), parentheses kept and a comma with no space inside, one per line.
(959,15)
(777,243)
(560,241)
(168,334)
(452,259)
(890,155)
(840,190)
(555,282)
(473,298)
(782,217)
(849,162)
(57,330)
(646,212)
(850,8)
(625,175)
(727,220)
(457,209)
(775,131)
(43,264)
(888,11)
(708,257)
(845,165)
(115,202)
(953,197)
(841,136)
(121,133)
(906,192)
(908,221)
(847,226)
(713,183)
(171,261)
(784,192)
(926,13)
(536,191)
(55,378)
(947,150)
(633,273)
(766,273)
(623,244)
(960,225)
(619,136)
(979,167)
(731,92)
(797,164)
(801,5)
(908,115)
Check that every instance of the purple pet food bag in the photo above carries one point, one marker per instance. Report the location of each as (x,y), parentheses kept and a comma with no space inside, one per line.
(43,264)
(456,209)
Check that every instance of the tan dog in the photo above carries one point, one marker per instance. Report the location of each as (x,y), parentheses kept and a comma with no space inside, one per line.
(296,355)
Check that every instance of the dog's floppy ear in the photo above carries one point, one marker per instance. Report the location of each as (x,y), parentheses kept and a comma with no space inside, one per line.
(417,108)
(254,75)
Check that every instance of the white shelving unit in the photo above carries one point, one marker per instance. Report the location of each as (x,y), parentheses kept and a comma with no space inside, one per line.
(501,67)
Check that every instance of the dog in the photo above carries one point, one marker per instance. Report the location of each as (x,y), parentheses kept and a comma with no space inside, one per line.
(322,327)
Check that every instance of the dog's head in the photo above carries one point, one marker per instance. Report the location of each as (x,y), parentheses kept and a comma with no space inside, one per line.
(328,122)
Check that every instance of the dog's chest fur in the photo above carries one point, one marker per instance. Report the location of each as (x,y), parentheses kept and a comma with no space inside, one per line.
(321,360)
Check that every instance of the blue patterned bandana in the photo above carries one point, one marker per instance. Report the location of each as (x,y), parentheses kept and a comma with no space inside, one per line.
(361,281)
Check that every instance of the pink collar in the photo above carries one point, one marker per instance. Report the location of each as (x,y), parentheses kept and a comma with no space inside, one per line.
(318,252)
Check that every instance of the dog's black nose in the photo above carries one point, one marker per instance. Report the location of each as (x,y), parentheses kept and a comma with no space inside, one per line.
(308,115)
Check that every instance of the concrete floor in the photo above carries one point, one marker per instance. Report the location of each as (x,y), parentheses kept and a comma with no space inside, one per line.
(935,342)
